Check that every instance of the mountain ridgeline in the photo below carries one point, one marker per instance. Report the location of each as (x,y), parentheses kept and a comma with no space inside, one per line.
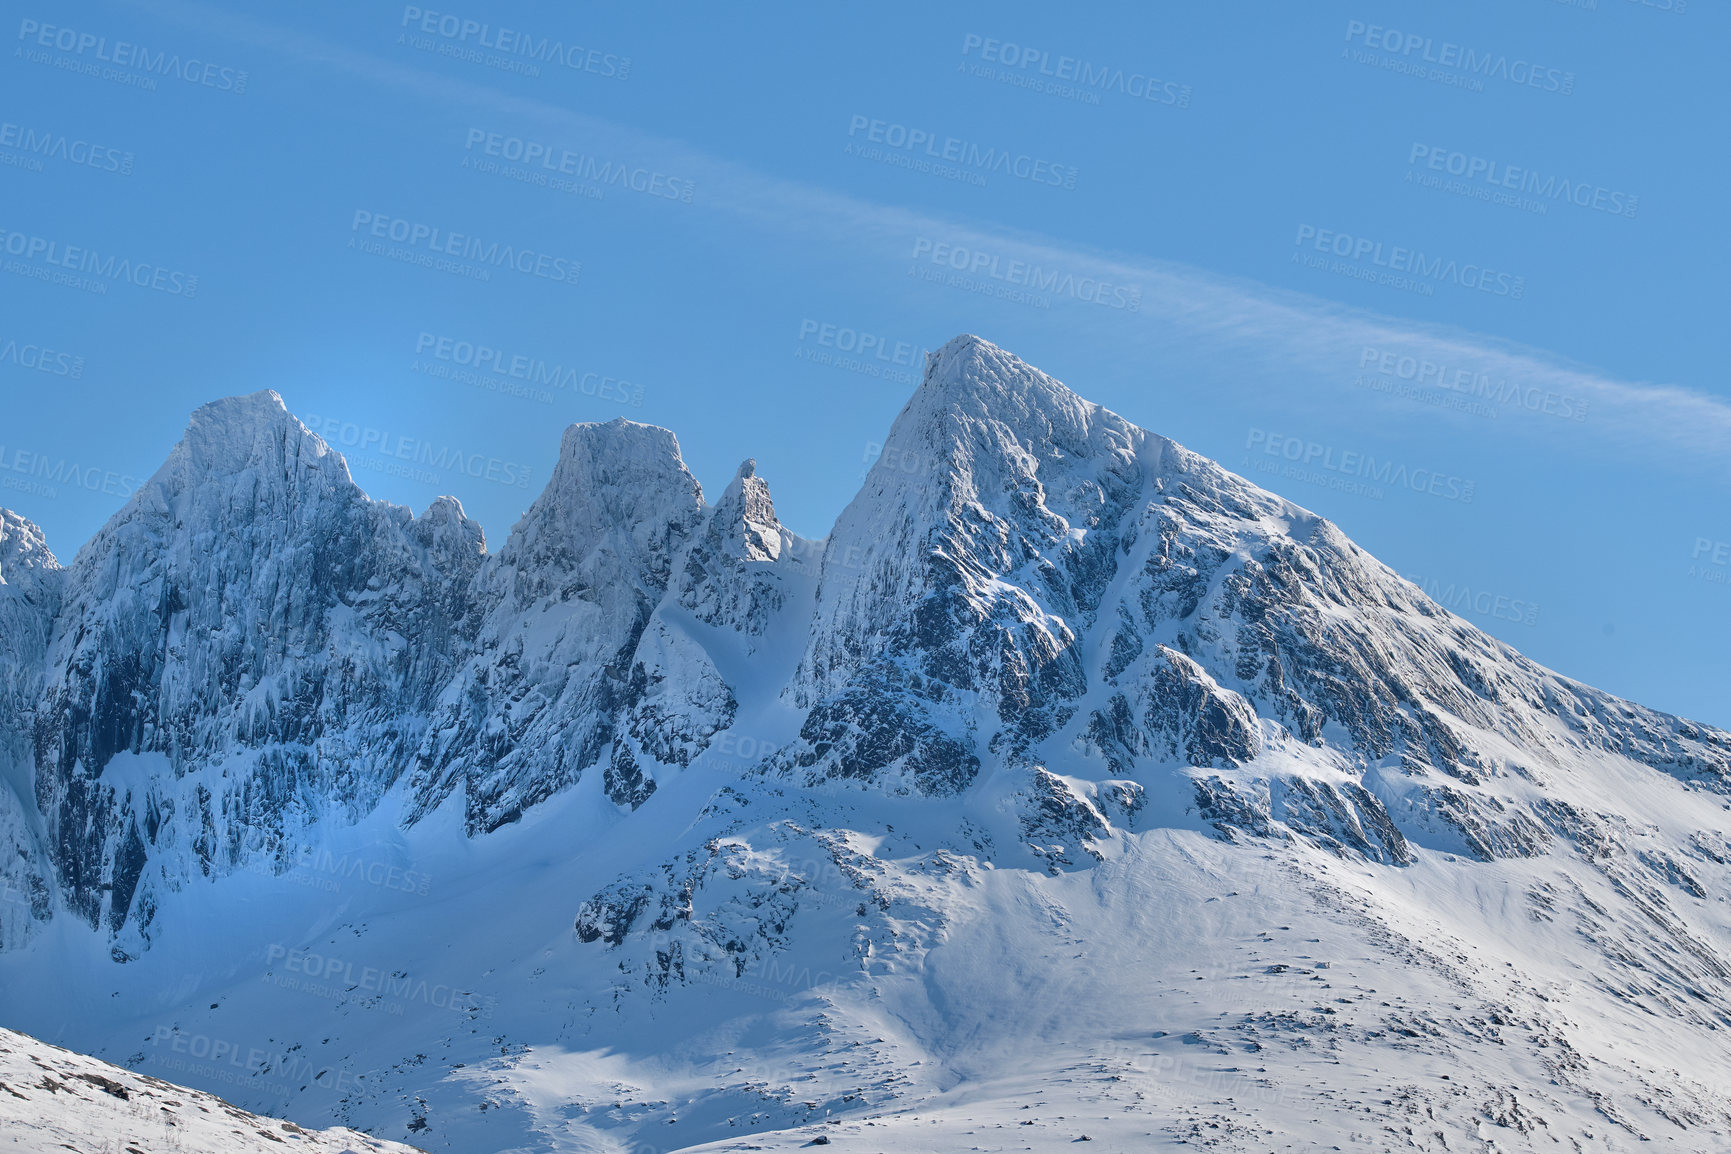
(1026,583)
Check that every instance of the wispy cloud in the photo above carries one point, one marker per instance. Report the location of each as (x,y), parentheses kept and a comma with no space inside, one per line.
(1302,333)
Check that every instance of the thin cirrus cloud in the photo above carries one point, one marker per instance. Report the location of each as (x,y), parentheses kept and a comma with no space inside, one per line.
(1310,337)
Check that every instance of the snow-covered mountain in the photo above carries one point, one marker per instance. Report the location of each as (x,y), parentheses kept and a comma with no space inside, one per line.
(1072,784)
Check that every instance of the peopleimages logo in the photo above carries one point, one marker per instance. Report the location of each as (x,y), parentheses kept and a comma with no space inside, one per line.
(336,431)
(1479,385)
(1409,262)
(433,242)
(1517,181)
(861,343)
(38,473)
(556,161)
(1709,561)
(929,146)
(474,363)
(329,976)
(1364,470)
(38,144)
(40,358)
(346,867)
(864,343)
(125,55)
(1715,552)
(55,256)
(1465,599)
(1068,76)
(236,1063)
(898,460)
(1025,275)
(515,43)
(1412,49)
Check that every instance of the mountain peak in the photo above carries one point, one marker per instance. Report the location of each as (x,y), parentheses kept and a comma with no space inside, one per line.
(975,382)
(445,510)
(966,364)
(982,406)
(237,416)
(30,578)
(229,435)
(971,366)
(600,443)
(615,478)
(745,516)
(22,546)
(945,363)
(265,403)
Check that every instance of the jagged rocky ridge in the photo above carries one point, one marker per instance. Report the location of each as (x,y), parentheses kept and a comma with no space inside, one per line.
(1059,721)
(252,645)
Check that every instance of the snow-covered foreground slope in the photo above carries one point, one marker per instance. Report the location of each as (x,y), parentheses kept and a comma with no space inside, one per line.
(1072,786)
(1183,987)
(52,1100)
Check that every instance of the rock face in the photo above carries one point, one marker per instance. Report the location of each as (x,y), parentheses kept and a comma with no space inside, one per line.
(1026,580)
(31,582)
(563,608)
(249,645)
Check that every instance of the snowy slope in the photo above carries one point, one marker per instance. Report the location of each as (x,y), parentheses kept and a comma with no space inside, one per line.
(1071,781)
(52,1100)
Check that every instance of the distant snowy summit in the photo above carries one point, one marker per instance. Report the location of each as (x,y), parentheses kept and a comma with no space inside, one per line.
(252,645)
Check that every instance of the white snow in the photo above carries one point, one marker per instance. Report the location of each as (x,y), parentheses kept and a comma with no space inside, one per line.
(53,1100)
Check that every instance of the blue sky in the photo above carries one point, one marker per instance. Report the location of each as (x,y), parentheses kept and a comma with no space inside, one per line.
(1379,256)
